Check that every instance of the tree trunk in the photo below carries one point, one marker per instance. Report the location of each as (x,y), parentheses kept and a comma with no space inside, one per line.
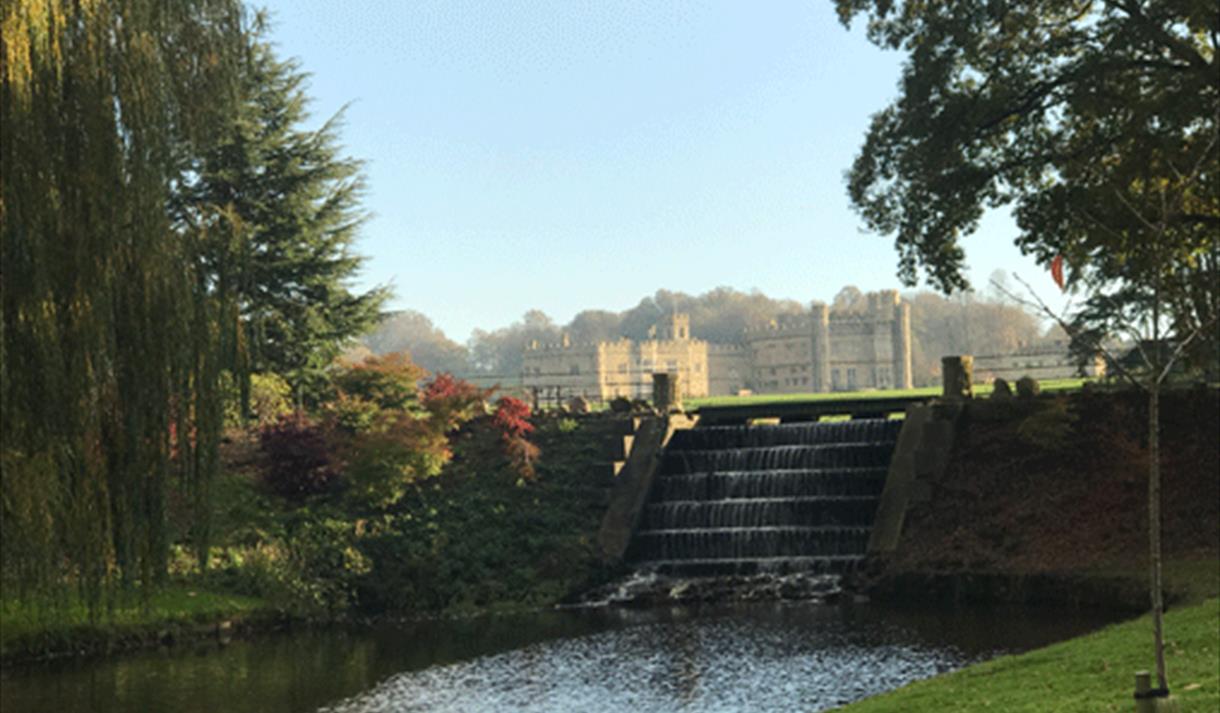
(1154,525)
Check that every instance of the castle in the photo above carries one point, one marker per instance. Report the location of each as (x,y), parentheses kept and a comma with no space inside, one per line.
(820,350)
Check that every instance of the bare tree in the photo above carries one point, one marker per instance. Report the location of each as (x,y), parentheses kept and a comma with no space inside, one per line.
(1158,361)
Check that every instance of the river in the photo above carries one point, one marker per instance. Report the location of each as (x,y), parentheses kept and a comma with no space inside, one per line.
(758,657)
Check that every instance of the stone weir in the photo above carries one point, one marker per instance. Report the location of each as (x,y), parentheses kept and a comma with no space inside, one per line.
(781,499)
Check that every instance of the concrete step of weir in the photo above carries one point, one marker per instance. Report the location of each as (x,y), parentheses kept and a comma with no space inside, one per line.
(831,564)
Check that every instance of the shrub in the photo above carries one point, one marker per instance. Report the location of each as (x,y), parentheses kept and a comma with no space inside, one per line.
(512,420)
(270,398)
(390,381)
(297,461)
(351,415)
(324,565)
(452,401)
(512,417)
(381,463)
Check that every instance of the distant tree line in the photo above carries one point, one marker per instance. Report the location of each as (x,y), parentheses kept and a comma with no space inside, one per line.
(967,323)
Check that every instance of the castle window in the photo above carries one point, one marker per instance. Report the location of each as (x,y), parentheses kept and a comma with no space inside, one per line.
(671,365)
(851,379)
(622,368)
(574,370)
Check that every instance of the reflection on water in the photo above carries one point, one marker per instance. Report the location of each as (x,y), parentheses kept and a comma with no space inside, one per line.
(769,657)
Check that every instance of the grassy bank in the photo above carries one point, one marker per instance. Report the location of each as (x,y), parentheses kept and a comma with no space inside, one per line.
(34,628)
(1089,674)
(929,391)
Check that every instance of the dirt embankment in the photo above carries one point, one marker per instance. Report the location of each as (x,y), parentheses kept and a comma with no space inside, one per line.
(1049,500)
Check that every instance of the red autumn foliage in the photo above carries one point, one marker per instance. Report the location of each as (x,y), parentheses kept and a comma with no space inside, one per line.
(512,420)
(298,460)
(512,417)
(452,401)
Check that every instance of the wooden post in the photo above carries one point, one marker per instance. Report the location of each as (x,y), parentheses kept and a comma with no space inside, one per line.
(957,374)
(1150,700)
(1154,530)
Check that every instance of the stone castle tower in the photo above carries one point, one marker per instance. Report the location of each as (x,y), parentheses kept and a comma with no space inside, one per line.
(817,351)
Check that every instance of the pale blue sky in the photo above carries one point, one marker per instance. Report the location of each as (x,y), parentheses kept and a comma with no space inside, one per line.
(520,152)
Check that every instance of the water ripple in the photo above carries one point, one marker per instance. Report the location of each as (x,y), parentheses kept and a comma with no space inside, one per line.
(716,665)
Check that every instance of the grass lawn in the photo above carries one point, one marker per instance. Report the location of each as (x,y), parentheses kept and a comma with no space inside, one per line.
(1091,673)
(28,627)
(979,390)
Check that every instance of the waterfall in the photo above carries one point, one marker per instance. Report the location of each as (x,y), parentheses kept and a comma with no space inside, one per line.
(785,498)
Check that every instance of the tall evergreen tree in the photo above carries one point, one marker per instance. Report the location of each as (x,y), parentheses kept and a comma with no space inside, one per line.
(289,213)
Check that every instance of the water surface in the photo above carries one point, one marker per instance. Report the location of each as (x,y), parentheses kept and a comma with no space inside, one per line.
(764,657)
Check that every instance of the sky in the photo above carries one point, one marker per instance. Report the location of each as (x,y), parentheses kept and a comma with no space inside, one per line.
(567,155)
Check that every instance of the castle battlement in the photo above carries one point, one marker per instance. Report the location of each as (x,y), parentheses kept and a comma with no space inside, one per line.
(860,318)
(561,346)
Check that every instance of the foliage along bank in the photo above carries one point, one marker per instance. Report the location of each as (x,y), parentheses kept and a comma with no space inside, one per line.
(399,495)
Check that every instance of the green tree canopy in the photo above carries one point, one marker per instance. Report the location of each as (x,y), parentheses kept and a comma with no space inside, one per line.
(113,337)
(1093,120)
(289,215)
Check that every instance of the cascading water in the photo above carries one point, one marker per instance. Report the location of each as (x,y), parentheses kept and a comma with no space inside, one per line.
(779,499)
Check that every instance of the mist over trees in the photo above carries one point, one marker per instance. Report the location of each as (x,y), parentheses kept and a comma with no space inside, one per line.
(967,323)
(413,332)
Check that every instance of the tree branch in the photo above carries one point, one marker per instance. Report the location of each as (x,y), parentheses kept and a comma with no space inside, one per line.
(1041,306)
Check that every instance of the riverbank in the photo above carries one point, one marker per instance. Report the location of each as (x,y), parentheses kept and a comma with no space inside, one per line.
(175,614)
(1083,675)
(1045,501)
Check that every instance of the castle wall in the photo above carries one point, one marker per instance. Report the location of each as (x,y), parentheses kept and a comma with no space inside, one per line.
(563,371)
(620,374)
(606,370)
(728,369)
(814,352)
(685,357)
(1047,359)
(782,357)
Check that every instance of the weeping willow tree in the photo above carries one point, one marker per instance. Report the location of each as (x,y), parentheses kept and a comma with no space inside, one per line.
(113,337)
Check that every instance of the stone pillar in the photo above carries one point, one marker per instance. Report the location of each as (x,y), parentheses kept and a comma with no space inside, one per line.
(957,373)
(903,378)
(821,347)
(666,396)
